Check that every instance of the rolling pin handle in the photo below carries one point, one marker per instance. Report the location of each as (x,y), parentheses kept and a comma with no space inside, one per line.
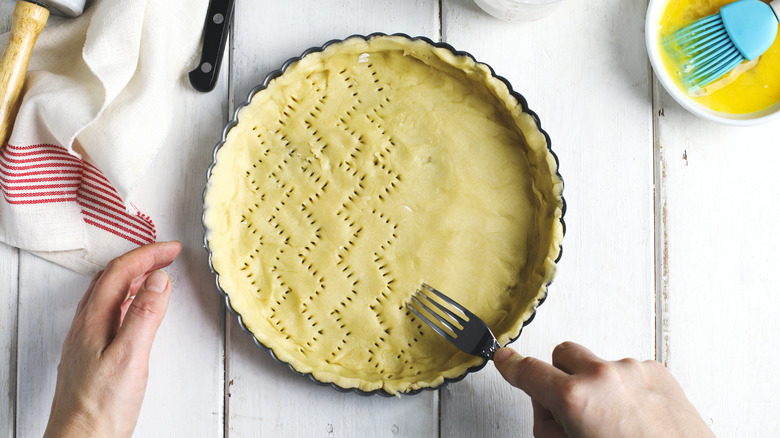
(28,21)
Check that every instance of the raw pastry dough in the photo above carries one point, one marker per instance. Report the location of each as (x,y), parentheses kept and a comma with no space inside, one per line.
(359,173)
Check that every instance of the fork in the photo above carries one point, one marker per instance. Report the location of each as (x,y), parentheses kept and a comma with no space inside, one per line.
(454,322)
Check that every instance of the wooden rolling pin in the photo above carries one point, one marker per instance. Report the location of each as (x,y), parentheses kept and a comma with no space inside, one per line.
(29,20)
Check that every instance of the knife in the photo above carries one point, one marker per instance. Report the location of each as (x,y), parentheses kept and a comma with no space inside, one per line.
(29,19)
(218,21)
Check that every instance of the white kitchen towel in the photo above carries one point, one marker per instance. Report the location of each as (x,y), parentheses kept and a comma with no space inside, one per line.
(98,100)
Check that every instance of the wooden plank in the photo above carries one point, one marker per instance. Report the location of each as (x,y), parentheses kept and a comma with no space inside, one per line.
(721,244)
(48,295)
(9,293)
(185,390)
(185,394)
(266,399)
(584,71)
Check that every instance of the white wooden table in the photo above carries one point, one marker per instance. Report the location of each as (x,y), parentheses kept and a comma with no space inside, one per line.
(670,252)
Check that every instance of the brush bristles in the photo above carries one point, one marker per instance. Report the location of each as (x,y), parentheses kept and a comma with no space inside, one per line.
(708,52)
(697,29)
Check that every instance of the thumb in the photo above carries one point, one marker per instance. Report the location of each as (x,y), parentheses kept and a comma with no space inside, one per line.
(536,378)
(145,314)
(508,363)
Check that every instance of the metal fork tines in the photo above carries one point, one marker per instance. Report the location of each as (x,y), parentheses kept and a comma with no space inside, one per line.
(454,322)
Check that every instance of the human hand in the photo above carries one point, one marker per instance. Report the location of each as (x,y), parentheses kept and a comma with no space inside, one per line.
(582,395)
(101,378)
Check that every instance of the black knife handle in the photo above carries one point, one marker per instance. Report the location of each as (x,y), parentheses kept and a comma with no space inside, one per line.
(218,20)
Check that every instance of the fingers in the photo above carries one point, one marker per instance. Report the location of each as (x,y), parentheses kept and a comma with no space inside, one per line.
(536,378)
(114,285)
(144,315)
(123,308)
(573,358)
(88,293)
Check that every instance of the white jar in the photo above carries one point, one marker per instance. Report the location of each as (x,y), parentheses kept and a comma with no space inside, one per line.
(518,10)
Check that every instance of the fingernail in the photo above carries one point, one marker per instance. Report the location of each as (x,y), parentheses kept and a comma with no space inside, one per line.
(502,354)
(157,281)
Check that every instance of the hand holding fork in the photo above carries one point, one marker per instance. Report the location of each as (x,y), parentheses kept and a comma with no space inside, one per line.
(580,394)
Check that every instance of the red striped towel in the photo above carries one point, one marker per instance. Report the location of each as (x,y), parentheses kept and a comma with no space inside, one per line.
(45,174)
(39,177)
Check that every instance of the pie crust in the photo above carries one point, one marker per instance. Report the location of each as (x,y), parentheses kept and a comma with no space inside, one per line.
(364,170)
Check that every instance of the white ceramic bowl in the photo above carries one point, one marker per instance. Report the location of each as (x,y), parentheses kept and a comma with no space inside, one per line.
(654,11)
(518,10)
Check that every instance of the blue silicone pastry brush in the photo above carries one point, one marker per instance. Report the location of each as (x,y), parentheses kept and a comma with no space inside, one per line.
(712,46)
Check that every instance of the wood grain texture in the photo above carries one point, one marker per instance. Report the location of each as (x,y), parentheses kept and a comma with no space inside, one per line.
(266,399)
(48,295)
(9,295)
(185,394)
(185,391)
(9,290)
(708,246)
(584,71)
(721,243)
